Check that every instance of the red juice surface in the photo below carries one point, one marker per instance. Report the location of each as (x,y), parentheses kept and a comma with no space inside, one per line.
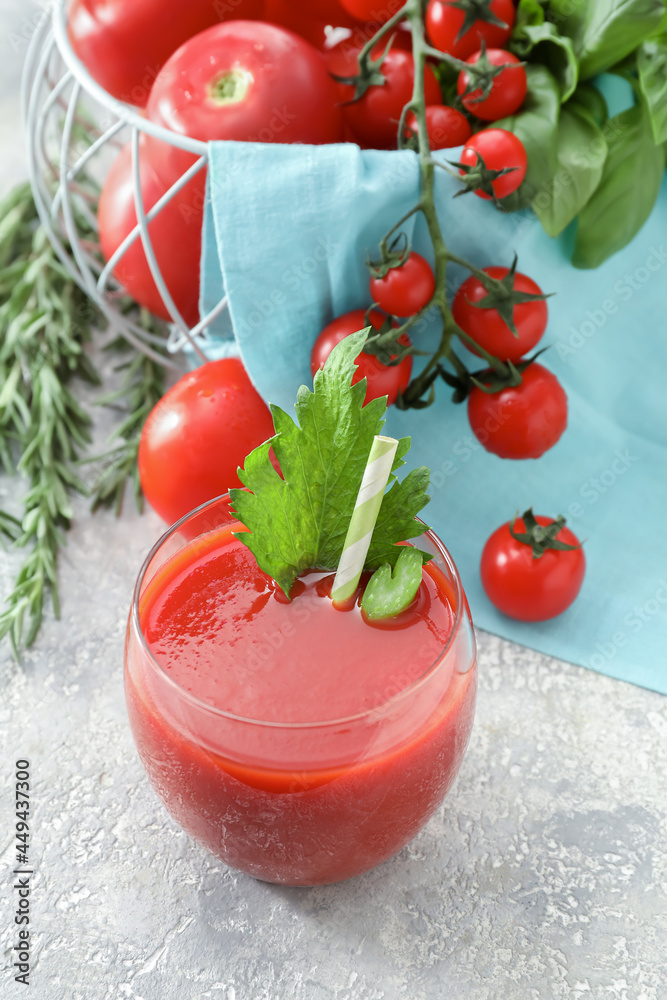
(295,797)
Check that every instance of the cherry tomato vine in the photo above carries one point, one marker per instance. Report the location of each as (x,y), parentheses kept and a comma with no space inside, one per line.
(476,175)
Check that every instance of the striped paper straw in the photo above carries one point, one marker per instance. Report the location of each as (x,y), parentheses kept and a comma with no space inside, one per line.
(364,516)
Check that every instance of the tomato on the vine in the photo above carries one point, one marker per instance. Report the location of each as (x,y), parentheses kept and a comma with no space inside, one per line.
(175,235)
(124,44)
(374,118)
(520,421)
(383,380)
(527,588)
(445,19)
(445,127)
(406,289)
(489,329)
(498,150)
(198,435)
(252,82)
(508,89)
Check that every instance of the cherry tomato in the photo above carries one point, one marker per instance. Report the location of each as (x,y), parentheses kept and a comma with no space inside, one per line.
(444,21)
(124,43)
(175,235)
(486,325)
(446,127)
(508,89)
(521,421)
(198,435)
(252,82)
(498,149)
(529,589)
(373,119)
(404,290)
(377,11)
(383,380)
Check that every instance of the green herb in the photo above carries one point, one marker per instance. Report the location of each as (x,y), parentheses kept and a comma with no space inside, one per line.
(46,323)
(605,31)
(300,521)
(142,387)
(628,190)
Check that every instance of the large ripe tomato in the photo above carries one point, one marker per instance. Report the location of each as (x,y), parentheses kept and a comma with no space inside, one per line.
(499,149)
(175,235)
(520,421)
(508,89)
(383,380)
(405,290)
(373,119)
(487,327)
(446,127)
(252,82)
(198,435)
(124,43)
(444,20)
(531,590)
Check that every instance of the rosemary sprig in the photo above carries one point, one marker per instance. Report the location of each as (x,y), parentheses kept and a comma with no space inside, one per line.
(45,322)
(143,385)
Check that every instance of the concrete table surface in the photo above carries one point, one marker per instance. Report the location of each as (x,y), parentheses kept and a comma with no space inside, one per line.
(543,876)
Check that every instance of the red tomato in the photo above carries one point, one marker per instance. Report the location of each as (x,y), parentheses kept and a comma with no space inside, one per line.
(404,290)
(314,22)
(529,589)
(521,421)
(374,118)
(498,149)
(383,380)
(446,127)
(198,435)
(252,82)
(487,327)
(175,235)
(508,89)
(377,11)
(444,21)
(124,43)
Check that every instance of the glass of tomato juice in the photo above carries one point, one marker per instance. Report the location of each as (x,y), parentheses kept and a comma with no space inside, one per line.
(297,742)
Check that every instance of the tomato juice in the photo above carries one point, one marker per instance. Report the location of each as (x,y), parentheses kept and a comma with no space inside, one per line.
(295,741)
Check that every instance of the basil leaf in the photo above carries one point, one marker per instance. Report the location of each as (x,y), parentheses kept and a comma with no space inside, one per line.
(652,66)
(593,101)
(536,124)
(582,151)
(605,31)
(528,12)
(544,44)
(628,190)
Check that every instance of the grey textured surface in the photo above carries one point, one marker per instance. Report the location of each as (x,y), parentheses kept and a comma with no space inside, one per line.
(544,876)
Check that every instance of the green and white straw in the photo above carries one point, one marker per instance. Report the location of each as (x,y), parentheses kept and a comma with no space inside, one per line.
(364,516)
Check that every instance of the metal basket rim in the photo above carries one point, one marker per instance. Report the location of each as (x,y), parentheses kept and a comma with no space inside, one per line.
(125,112)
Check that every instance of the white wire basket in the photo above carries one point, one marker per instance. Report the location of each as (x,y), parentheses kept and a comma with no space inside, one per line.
(60,101)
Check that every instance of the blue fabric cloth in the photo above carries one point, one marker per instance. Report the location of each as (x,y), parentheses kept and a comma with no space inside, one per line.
(289,227)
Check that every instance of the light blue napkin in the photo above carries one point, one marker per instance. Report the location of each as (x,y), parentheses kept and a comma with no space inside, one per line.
(290,227)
